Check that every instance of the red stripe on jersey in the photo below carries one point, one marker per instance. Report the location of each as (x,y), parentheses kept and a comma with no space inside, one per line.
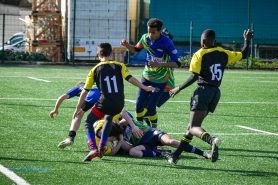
(96,112)
(168,87)
(140,46)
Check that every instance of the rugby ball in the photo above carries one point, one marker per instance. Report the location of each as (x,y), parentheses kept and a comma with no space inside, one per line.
(112,144)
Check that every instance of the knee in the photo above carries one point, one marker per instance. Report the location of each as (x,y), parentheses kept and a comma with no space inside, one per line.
(134,152)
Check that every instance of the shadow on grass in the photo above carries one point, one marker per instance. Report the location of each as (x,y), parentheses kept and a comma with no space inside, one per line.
(235,172)
(30,105)
(220,115)
(244,150)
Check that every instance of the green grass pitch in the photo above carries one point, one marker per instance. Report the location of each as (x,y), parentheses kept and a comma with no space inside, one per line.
(29,138)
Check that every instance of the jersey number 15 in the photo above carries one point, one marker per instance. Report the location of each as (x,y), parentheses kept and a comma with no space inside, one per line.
(216,72)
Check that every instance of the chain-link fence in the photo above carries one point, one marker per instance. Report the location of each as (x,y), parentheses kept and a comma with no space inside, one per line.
(12,25)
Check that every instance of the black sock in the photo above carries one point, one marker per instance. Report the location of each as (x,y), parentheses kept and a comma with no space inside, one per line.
(207,138)
(184,142)
(72,134)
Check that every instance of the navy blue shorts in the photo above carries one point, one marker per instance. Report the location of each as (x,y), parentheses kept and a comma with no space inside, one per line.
(151,139)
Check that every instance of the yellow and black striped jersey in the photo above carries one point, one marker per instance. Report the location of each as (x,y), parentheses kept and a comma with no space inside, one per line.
(210,64)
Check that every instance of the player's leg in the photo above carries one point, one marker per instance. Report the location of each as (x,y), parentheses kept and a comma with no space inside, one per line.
(105,133)
(163,98)
(141,101)
(152,102)
(137,151)
(92,117)
(169,141)
(205,136)
(75,124)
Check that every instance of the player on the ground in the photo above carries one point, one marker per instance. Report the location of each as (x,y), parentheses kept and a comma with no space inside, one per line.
(108,75)
(116,133)
(157,67)
(146,146)
(207,67)
(90,100)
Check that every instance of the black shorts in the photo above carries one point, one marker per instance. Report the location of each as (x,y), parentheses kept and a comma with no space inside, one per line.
(86,106)
(152,139)
(205,98)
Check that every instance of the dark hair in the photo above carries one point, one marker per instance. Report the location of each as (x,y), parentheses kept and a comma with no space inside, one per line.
(208,34)
(116,130)
(155,23)
(104,49)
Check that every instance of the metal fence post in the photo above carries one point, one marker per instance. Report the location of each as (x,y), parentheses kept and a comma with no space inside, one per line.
(191,33)
(251,43)
(73,39)
(3,37)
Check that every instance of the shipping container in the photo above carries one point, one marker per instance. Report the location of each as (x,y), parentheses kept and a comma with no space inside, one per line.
(92,22)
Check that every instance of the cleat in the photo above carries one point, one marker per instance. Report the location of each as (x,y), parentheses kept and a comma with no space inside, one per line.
(101,153)
(92,154)
(214,151)
(170,157)
(65,143)
(164,153)
(207,155)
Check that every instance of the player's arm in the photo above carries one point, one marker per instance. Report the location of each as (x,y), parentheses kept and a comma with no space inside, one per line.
(58,104)
(248,35)
(130,47)
(117,148)
(135,82)
(126,146)
(135,130)
(174,64)
(128,77)
(192,78)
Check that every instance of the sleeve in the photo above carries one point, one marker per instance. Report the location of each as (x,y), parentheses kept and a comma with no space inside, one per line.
(90,80)
(173,52)
(233,56)
(195,64)
(75,91)
(140,44)
(126,74)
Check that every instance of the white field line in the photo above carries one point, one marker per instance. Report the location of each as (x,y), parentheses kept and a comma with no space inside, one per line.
(38,79)
(18,180)
(226,134)
(132,101)
(248,128)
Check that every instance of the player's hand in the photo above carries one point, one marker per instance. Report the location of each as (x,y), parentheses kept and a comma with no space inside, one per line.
(154,64)
(137,132)
(174,92)
(121,137)
(248,35)
(52,113)
(149,88)
(124,43)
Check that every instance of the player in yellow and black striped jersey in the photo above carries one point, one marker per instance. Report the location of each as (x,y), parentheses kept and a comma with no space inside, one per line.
(116,133)
(207,67)
(108,75)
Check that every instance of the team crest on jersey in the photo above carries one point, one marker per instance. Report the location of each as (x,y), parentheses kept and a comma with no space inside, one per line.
(175,51)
